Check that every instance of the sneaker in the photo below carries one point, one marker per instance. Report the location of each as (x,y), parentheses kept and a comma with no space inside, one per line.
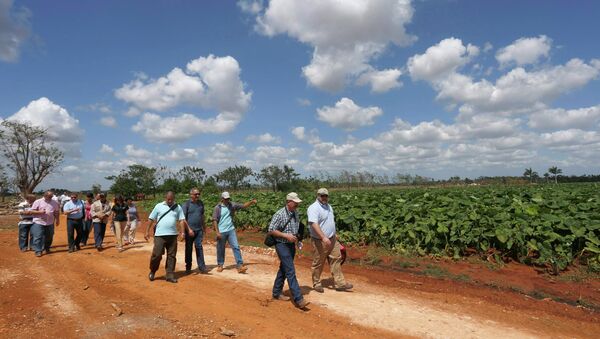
(151,276)
(319,288)
(23,250)
(242,269)
(38,254)
(281,297)
(121,249)
(71,250)
(302,303)
(219,268)
(346,287)
(99,248)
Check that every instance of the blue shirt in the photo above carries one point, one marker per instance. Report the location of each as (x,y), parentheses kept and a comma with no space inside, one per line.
(322,215)
(224,216)
(168,223)
(70,205)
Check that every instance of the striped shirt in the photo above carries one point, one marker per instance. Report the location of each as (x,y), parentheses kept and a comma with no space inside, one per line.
(280,223)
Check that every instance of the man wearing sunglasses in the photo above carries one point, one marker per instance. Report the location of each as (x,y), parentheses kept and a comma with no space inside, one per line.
(324,239)
(74,209)
(193,210)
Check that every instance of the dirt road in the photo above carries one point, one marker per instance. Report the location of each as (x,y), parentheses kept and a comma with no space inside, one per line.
(72,295)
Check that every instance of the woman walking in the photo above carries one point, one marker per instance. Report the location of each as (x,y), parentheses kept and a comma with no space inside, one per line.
(119,217)
(129,232)
(87,219)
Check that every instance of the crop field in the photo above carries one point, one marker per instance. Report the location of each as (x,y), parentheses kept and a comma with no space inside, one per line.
(548,225)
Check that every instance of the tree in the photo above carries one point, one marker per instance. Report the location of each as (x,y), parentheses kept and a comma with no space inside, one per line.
(556,171)
(190,176)
(96,188)
(29,154)
(235,177)
(530,174)
(136,179)
(4,182)
(547,176)
(271,176)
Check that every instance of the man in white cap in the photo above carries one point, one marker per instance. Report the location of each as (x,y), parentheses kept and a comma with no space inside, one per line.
(223,224)
(284,226)
(327,248)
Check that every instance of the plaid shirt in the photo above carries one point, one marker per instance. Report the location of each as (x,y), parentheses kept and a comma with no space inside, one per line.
(279,221)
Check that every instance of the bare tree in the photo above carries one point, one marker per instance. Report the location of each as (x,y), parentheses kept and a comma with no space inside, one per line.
(29,154)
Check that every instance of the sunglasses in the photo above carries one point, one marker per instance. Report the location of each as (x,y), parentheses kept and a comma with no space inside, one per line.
(196,194)
(324,195)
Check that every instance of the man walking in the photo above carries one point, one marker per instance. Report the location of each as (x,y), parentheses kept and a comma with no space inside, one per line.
(26,220)
(193,210)
(168,218)
(100,212)
(284,227)
(223,224)
(74,209)
(46,212)
(322,231)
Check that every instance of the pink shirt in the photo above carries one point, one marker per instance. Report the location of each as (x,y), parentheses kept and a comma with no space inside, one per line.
(49,207)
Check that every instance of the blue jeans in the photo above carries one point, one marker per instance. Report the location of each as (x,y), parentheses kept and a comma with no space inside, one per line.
(99,230)
(195,241)
(87,227)
(286,253)
(231,238)
(42,237)
(25,237)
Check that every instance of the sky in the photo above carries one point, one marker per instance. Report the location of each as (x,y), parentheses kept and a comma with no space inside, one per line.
(436,88)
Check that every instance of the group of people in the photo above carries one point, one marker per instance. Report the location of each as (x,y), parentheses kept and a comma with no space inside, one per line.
(39,217)
(170,221)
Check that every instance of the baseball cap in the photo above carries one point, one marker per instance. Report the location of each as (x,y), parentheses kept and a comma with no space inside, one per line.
(293,196)
(323,191)
(225,195)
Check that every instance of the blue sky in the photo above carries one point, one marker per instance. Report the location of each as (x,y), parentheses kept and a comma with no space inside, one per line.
(436,88)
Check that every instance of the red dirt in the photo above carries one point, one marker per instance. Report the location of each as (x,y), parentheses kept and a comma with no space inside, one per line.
(70,295)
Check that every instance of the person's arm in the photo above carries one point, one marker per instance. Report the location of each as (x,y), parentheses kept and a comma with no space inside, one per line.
(313,220)
(215,222)
(57,217)
(147,235)
(249,203)
(276,223)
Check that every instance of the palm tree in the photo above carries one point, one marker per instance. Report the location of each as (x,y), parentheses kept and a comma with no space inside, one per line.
(530,173)
(556,171)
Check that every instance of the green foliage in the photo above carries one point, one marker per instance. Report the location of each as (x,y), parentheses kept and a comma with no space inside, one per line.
(235,177)
(135,179)
(549,225)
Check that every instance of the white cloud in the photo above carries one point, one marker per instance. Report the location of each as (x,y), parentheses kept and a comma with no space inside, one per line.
(299,132)
(516,92)
(524,51)
(70,169)
(108,121)
(347,115)
(133,152)
(303,102)
(107,149)
(182,154)
(15,29)
(275,155)
(441,60)
(381,81)
(265,138)
(345,35)
(209,83)
(559,118)
(182,127)
(62,128)
(250,6)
